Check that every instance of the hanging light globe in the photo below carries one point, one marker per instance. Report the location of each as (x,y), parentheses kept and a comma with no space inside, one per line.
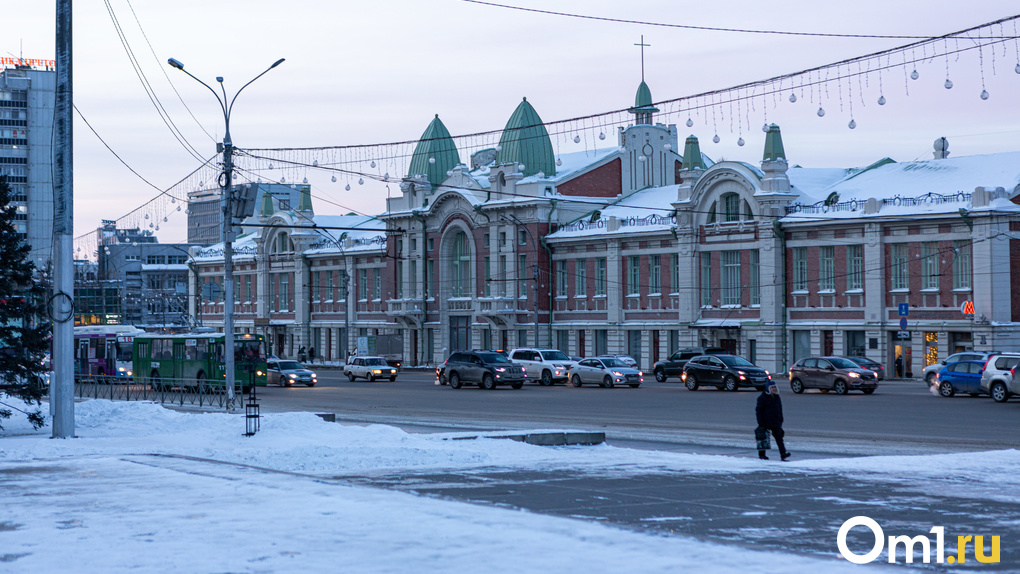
(559,161)
(641,158)
(431,160)
(667,147)
(881,100)
(164,220)
(577,139)
(305,180)
(690,123)
(793,98)
(173,200)
(157,228)
(602,135)
(715,138)
(283,179)
(821,111)
(740,142)
(315,163)
(178,208)
(914,75)
(948,84)
(333,178)
(187,212)
(520,167)
(852,124)
(146,216)
(984,94)
(765,127)
(270,166)
(499,147)
(372,164)
(1017,69)
(386,176)
(347,187)
(361,181)
(201,183)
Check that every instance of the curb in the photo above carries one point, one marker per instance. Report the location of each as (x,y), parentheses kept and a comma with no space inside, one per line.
(568,438)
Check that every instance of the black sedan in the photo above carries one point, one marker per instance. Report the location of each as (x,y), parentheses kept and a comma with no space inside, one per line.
(728,372)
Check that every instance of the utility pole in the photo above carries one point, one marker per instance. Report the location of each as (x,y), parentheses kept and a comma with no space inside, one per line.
(62,309)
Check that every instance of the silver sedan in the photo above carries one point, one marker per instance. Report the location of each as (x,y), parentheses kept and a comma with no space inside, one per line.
(605,372)
(289,373)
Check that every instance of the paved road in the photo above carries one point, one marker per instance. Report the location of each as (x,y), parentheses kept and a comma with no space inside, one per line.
(901,417)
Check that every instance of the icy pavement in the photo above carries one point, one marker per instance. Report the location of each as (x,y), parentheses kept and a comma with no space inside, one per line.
(148,489)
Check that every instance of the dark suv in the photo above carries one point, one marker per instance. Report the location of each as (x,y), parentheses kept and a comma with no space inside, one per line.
(486,369)
(674,366)
(728,372)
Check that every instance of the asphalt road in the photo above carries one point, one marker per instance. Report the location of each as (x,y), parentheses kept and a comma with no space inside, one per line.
(902,417)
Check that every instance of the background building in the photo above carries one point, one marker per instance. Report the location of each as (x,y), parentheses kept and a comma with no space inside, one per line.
(204,207)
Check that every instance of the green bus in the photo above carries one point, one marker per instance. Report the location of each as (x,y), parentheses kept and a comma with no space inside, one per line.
(194,361)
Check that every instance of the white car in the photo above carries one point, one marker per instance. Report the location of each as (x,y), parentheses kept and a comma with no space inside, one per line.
(370,368)
(547,366)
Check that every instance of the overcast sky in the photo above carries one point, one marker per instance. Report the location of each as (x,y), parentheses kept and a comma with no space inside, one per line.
(369,72)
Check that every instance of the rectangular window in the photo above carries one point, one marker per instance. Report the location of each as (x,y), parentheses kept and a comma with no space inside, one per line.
(363,284)
(800,269)
(413,278)
(633,275)
(563,341)
(581,277)
(522,272)
(674,280)
(502,276)
(601,342)
(329,286)
(430,243)
(634,345)
(430,279)
(854,267)
(826,268)
(376,284)
(315,286)
(706,279)
(655,274)
(488,276)
(755,278)
(600,276)
(522,237)
(731,278)
(961,265)
(400,280)
(561,278)
(899,266)
(247,288)
(284,292)
(485,241)
(929,265)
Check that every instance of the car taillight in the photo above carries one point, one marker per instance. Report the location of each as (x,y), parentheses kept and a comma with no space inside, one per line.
(985,366)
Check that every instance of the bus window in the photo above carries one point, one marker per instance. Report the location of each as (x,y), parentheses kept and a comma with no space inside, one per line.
(202,348)
(99,345)
(123,351)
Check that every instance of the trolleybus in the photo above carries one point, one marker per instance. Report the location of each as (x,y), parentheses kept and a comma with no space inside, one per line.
(194,361)
(104,351)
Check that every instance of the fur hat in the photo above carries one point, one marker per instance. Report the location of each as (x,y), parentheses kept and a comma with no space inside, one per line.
(771,385)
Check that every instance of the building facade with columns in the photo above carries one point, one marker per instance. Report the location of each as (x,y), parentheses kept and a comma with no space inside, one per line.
(635,248)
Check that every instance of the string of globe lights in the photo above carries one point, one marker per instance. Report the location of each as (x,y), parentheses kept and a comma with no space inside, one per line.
(148,217)
(840,87)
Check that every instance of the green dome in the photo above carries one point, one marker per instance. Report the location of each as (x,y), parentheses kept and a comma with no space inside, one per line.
(526,141)
(774,145)
(692,154)
(437,144)
(643,99)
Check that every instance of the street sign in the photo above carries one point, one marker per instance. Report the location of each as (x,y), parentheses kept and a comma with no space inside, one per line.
(211,291)
(261,321)
(902,335)
(903,324)
(904,309)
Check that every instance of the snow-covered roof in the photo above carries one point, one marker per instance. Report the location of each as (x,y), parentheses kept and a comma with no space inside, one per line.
(645,210)
(364,233)
(164,267)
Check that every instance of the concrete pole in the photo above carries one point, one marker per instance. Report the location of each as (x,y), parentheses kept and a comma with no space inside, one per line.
(228,266)
(62,386)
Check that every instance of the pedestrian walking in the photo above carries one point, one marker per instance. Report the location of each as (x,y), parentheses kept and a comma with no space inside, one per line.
(311,354)
(899,366)
(769,412)
(301,354)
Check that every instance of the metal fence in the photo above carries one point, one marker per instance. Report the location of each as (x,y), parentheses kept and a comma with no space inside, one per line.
(179,392)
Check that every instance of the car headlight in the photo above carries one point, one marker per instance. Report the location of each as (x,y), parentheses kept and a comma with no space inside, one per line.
(259,373)
(292,376)
(640,373)
(741,373)
(376,371)
(313,375)
(854,375)
(500,369)
(129,373)
(618,373)
(121,369)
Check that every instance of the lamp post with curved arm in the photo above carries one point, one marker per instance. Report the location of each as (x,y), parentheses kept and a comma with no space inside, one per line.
(227,148)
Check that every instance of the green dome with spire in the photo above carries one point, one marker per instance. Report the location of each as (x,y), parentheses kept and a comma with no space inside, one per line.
(692,154)
(526,141)
(267,204)
(643,99)
(774,145)
(436,144)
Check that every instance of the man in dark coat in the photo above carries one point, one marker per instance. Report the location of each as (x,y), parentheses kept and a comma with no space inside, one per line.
(770,417)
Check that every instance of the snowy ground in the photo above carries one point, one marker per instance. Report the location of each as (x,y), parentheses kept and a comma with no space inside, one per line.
(149,489)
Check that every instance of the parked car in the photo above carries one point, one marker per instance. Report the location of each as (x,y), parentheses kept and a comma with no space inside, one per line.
(961,377)
(998,376)
(674,365)
(547,366)
(288,373)
(605,372)
(370,368)
(728,372)
(485,369)
(831,374)
(866,363)
(931,371)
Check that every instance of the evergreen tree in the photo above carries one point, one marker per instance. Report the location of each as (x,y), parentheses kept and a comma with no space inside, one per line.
(24,330)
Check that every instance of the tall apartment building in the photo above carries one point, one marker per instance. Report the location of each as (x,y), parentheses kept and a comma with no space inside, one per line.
(27,96)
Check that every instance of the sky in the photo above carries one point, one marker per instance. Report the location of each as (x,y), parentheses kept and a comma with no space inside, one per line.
(373,72)
(143,488)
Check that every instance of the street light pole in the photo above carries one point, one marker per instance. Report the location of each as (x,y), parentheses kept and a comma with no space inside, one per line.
(226,179)
(517,222)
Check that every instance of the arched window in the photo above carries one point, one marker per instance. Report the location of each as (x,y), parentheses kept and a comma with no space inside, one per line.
(731,207)
(460,266)
(711,213)
(284,244)
(748,214)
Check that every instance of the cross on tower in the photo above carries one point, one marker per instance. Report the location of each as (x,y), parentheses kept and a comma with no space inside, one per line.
(642,44)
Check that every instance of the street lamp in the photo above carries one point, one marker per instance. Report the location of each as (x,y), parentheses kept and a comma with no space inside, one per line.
(227,148)
(511,218)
